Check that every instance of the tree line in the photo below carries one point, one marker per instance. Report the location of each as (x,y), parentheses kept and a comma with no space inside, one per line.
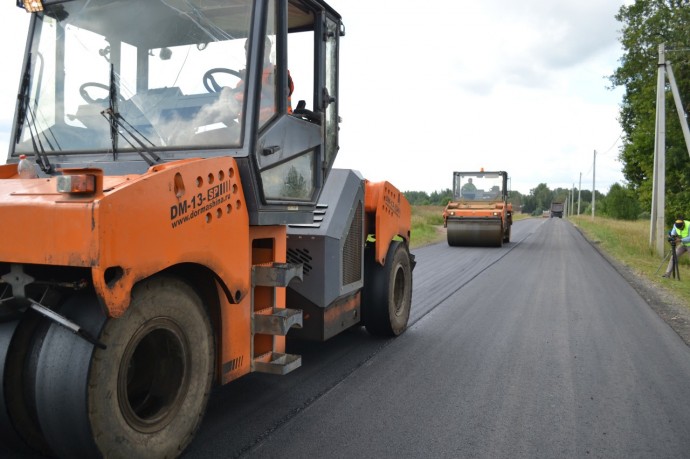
(645,25)
(620,202)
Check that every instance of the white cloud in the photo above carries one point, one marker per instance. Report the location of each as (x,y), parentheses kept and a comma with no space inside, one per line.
(432,87)
(516,86)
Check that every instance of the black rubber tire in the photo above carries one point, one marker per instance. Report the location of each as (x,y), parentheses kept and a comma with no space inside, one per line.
(8,375)
(142,396)
(58,367)
(506,238)
(387,295)
(19,427)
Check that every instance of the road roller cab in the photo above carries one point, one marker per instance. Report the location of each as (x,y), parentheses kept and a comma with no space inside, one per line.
(165,156)
(479,213)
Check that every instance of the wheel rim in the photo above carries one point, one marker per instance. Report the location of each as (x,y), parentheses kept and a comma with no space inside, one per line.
(399,291)
(153,375)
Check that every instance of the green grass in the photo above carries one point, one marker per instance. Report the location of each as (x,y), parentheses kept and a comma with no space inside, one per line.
(628,242)
(427,222)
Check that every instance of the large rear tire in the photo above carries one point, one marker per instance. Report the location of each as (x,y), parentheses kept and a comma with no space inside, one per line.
(13,406)
(19,427)
(142,396)
(8,434)
(387,296)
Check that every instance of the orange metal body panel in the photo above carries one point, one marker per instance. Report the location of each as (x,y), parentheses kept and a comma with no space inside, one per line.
(189,211)
(234,342)
(478,209)
(8,171)
(391,214)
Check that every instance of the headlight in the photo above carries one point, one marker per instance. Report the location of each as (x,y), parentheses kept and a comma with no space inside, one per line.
(31,6)
(80,181)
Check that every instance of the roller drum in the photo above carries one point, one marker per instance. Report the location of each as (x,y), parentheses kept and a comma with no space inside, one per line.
(475,232)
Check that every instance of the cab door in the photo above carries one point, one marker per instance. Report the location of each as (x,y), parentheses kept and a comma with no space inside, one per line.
(298,143)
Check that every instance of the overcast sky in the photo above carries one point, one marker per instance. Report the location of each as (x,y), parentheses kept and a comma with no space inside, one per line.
(452,85)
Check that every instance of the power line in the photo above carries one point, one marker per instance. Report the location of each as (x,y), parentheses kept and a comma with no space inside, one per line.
(591,166)
(614,144)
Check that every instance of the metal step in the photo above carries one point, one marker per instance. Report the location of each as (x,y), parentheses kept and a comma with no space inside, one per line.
(276,274)
(277,321)
(277,363)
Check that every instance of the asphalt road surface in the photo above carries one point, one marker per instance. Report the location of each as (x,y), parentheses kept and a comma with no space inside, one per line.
(538,349)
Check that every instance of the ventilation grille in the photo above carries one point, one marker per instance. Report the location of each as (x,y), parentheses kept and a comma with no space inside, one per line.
(233,364)
(318,216)
(352,250)
(300,256)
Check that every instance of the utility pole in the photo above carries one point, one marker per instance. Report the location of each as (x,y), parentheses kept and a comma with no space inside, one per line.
(579,194)
(594,189)
(566,205)
(572,200)
(657,230)
(679,106)
(659,181)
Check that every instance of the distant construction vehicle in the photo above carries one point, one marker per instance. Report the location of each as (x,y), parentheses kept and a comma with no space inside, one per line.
(557,209)
(479,214)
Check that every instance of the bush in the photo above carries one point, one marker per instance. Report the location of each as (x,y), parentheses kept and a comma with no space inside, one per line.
(621,203)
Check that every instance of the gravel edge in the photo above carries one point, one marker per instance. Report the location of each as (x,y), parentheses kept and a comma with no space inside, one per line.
(668,306)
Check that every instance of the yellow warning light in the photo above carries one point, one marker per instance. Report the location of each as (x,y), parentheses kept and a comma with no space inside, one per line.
(31,6)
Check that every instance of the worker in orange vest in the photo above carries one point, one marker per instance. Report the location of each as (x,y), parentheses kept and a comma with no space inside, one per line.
(268,100)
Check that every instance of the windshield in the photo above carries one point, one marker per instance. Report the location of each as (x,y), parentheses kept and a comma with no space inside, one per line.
(108,75)
(478,186)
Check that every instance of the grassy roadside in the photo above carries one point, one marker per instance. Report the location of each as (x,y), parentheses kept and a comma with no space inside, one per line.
(628,242)
(427,222)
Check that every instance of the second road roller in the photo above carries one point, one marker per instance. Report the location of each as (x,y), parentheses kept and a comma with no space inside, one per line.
(479,213)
